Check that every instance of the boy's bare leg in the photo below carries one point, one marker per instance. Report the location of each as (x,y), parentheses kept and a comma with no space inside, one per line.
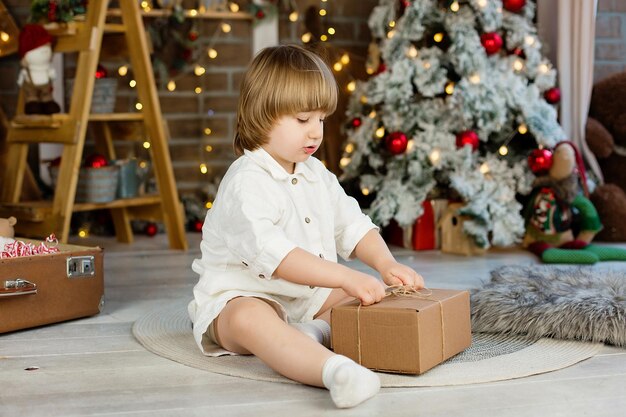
(250,325)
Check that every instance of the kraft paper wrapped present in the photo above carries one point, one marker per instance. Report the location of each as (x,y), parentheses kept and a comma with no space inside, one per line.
(407,334)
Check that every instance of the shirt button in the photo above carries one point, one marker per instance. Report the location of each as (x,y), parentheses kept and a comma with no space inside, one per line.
(307,220)
(243,262)
(311,286)
(294,181)
(261,276)
(321,256)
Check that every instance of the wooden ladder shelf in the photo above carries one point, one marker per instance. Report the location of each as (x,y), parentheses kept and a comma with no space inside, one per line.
(40,218)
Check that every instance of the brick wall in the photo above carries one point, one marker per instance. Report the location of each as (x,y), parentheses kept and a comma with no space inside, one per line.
(189,114)
(610,38)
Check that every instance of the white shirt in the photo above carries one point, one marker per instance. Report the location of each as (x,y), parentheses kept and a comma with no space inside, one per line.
(260,214)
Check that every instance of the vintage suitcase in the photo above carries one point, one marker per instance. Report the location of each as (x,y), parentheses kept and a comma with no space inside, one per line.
(43,289)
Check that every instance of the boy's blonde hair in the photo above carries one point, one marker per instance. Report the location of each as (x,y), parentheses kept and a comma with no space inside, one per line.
(281,80)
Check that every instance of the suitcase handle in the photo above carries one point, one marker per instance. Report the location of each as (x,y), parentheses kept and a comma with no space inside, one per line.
(17,287)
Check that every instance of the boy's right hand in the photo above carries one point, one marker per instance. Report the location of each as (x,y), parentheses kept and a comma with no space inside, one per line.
(365,288)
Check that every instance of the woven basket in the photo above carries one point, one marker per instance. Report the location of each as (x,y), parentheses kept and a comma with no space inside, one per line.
(104,94)
(95,185)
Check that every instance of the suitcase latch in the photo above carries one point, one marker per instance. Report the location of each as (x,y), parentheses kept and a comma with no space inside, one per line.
(80,266)
(17,287)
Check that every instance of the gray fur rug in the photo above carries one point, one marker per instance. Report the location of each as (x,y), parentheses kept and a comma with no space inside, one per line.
(580,303)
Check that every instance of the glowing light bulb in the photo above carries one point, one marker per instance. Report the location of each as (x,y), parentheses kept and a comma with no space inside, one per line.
(380,132)
(323,38)
(132,83)
(4,36)
(474,78)
(529,40)
(139,106)
(203,168)
(351,86)
(146,145)
(523,129)
(207,131)
(322,12)
(122,71)
(293,16)
(171,85)
(306,38)
(199,70)
(208,204)
(518,65)
(449,88)
(234,7)
(372,114)
(409,145)
(544,68)
(337,66)
(503,150)
(198,90)
(83,232)
(226,28)
(455,6)
(435,156)
(208,148)
(363,100)
(438,37)
(392,24)
(212,53)
(345,59)
(484,168)
(344,162)
(349,148)
(193,12)
(426,65)
(412,52)
(331,31)
(365,191)
(482,3)
(391,34)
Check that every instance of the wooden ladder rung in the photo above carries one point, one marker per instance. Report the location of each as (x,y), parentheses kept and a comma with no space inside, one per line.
(115,117)
(54,121)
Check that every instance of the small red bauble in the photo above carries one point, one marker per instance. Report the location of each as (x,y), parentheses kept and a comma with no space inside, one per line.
(492,42)
(101,72)
(96,161)
(467,137)
(514,5)
(259,14)
(197,225)
(192,35)
(519,52)
(552,95)
(540,161)
(396,142)
(151,229)
(356,122)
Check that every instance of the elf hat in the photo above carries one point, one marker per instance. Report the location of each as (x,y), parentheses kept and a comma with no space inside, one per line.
(32,36)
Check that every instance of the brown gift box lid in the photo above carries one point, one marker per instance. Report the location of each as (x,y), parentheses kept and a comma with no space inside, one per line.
(404,334)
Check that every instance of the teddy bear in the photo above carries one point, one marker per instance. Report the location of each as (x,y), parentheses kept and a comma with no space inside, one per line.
(605,135)
(35,77)
(561,221)
(7,231)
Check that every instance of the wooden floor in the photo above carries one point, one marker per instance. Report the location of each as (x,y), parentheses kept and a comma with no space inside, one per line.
(95,367)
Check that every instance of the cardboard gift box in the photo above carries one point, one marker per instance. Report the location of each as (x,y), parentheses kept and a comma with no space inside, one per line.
(49,288)
(406,334)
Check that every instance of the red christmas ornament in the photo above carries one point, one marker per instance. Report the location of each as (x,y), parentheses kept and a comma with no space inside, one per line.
(519,52)
(467,137)
(381,68)
(192,35)
(396,142)
(96,161)
(101,72)
(492,42)
(356,122)
(514,5)
(260,14)
(540,161)
(197,225)
(552,95)
(151,229)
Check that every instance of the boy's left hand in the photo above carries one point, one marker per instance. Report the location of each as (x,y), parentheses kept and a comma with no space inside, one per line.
(394,273)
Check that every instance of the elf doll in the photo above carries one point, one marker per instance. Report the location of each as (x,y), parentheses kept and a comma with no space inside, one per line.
(36,75)
(557,207)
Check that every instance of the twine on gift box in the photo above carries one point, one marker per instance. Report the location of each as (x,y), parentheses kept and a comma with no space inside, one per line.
(403,291)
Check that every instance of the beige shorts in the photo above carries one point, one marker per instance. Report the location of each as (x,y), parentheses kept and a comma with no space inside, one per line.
(212,330)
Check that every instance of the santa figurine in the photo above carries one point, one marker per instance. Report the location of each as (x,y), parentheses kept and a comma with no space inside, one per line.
(36,75)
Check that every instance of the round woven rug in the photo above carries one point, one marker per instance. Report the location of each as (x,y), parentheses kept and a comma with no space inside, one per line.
(167,332)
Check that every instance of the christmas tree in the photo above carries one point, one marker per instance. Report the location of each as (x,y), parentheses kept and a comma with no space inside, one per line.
(460,93)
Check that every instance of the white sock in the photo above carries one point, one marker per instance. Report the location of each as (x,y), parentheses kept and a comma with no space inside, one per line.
(317,330)
(348,382)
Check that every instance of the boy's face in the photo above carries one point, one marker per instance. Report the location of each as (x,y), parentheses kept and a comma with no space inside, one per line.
(295,137)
